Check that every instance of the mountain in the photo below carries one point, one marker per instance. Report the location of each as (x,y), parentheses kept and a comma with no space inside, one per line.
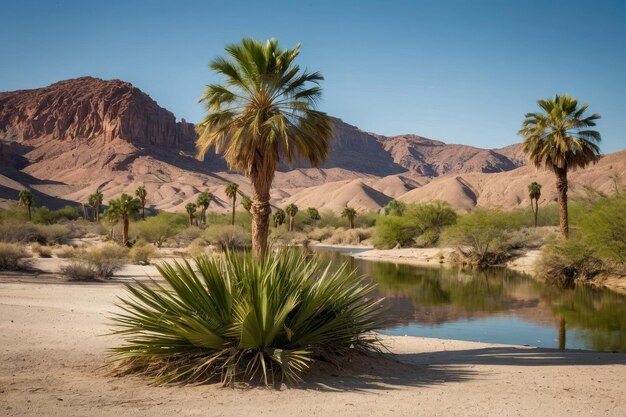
(75,136)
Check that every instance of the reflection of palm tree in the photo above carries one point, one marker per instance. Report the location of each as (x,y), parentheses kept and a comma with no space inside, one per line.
(562,338)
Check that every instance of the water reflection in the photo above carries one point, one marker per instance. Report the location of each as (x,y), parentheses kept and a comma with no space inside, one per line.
(499,306)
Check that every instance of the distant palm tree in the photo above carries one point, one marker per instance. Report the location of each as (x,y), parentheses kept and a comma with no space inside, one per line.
(25,198)
(560,139)
(95,201)
(279,217)
(123,208)
(191,211)
(314,214)
(262,114)
(350,214)
(203,201)
(246,202)
(534,192)
(110,217)
(291,211)
(231,192)
(141,193)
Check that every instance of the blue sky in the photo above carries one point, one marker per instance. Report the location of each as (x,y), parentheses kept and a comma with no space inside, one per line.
(458,71)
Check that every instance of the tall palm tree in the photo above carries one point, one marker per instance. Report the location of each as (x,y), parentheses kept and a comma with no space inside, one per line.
(203,201)
(560,138)
(534,192)
(291,211)
(231,192)
(191,208)
(25,198)
(262,114)
(314,214)
(123,208)
(141,193)
(279,217)
(350,214)
(246,202)
(95,201)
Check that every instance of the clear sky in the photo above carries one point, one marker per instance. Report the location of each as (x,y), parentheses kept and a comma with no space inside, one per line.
(458,71)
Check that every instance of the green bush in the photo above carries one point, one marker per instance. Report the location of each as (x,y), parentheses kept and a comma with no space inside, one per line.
(12,255)
(232,318)
(365,219)
(329,219)
(44,215)
(142,253)
(105,260)
(157,229)
(569,260)
(228,237)
(25,232)
(391,231)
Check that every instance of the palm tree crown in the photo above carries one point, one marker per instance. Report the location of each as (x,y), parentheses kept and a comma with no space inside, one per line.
(350,214)
(141,193)
(25,198)
(124,207)
(203,201)
(560,137)
(534,190)
(95,201)
(263,113)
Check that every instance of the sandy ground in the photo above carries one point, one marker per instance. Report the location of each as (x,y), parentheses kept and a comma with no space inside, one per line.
(52,352)
(412,256)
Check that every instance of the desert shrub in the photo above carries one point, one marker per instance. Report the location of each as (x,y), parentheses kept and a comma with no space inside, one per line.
(343,236)
(141,253)
(228,237)
(43,215)
(232,318)
(79,271)
(242,219)
(105,260)
(157,229)
(284,237)
(419,224)
(320,233)
(188,235)
(365,219)
(568,260)
(329,218)
(67,252)
(198,247)
(489,234)
(41,251)
(25,232)
(53,233)
(12,255)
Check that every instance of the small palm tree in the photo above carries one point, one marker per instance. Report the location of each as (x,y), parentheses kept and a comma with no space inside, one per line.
(203,201)
(279,217)
(26,199)
(350,214)
(231,192)
(141,193)
(95,201)
(123,208)
(560,139)
(534,192)
(191,211)
(110,216)
(314,215)
(263,113)
(246,202)
(291,211)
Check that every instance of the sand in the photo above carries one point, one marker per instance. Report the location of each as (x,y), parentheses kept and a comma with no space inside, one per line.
(52,352)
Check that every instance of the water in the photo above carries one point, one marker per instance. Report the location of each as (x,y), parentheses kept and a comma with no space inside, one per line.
(494,306)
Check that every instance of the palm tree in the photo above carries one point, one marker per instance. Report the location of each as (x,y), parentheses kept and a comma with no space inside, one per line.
(314,215)
(534,192)
(279,217)
(291,211)
(141,193)
(123,208)
(262,114)
(203,201)
(231,192)
(191,211)
(110,217)
(95,201)
(350,214)
(560,139)
(25,198)
(246,202)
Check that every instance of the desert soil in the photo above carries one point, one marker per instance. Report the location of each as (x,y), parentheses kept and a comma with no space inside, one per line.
(52,363)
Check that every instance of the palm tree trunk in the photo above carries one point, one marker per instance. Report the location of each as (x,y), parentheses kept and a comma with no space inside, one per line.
(234,202)
(97,208)
(535,207)
(562,335)
(143,211)
(351,223)
(290,223)
(124,230)
(29,215)
(561,187)
(261,212)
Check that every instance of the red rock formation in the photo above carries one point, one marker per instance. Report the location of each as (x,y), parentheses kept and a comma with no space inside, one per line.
(88,108)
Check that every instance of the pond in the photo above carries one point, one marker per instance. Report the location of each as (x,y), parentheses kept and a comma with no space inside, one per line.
(493,306)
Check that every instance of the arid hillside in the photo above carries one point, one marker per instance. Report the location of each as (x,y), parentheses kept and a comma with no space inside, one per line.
(68,139)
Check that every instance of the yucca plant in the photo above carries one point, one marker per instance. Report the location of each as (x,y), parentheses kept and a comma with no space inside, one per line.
(233,318)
